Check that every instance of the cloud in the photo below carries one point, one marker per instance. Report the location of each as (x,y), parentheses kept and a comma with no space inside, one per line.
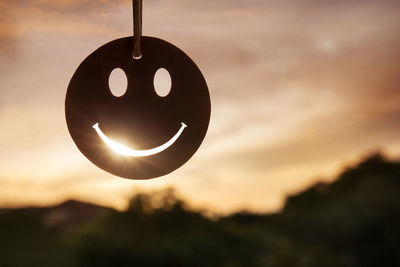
(297,88)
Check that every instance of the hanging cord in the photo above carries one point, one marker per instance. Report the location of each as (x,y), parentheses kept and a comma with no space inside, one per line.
(137,27)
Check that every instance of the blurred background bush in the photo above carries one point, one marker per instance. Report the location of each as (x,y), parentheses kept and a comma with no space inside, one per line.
(354,221)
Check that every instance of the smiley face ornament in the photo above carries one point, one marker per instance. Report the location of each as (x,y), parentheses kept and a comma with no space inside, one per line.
(140,134)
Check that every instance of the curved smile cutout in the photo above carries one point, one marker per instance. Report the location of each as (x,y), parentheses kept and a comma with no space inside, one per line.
(126,151)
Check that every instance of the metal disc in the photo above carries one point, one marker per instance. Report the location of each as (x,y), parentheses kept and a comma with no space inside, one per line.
(140,119)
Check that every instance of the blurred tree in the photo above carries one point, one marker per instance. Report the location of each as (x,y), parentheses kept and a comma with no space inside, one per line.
(354,221)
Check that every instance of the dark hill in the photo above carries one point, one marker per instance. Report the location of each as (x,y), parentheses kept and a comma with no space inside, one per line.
(354,221)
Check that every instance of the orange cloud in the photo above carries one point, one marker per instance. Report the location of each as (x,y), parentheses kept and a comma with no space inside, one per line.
(297,89)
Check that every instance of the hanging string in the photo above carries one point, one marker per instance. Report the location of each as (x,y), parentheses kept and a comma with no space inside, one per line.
(137,27)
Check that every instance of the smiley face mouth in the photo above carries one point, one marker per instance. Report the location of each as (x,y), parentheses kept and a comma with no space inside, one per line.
(126,151)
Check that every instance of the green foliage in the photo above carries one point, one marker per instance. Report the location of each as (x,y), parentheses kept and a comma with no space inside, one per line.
(354,221)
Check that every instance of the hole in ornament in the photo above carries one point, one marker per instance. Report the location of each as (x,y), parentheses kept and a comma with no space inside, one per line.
(162,82)
(118,82)
(137,57)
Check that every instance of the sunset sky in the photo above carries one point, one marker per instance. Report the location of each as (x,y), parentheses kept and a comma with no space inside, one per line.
(299,89)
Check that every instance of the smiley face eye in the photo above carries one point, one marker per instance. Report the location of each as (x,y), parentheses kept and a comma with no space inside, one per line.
(118,82)
(162,82)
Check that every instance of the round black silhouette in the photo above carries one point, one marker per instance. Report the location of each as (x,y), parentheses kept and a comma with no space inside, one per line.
(139,119)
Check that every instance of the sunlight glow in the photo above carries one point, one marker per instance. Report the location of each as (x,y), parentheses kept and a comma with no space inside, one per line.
(126,151)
